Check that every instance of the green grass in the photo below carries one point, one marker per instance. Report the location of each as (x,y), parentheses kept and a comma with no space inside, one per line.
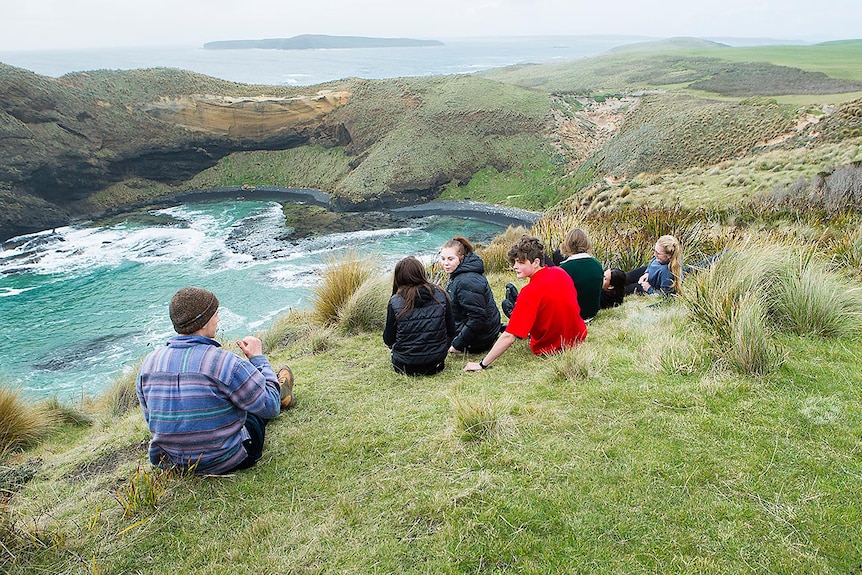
(305,166)
(837,59)
(535,187)
(631,454)
(678,67)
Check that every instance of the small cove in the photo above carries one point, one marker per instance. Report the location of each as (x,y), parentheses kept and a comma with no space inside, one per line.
(81,304)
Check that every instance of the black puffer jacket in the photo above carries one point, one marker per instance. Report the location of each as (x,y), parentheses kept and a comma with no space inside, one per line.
(423,335)
(477,319)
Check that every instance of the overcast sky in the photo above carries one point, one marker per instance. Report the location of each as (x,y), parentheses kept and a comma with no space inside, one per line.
(52,24)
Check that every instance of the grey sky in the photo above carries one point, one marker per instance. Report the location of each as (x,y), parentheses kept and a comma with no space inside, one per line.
(50,24)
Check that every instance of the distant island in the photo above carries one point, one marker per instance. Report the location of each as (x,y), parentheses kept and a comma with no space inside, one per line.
(318,41)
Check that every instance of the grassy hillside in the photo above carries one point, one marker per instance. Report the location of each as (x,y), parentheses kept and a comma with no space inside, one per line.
(830,68)
(718,432)
(653,447)
(508,154)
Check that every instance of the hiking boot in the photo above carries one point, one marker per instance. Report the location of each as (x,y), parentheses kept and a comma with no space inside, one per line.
(285,380)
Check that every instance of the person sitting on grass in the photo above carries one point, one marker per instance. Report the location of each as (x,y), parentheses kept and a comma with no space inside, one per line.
(585,270)
(664,273)
(477,319)
(419,324)
(613,288)
(547,311)
(207,408)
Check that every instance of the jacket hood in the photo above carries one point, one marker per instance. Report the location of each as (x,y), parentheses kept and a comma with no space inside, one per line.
(471,263)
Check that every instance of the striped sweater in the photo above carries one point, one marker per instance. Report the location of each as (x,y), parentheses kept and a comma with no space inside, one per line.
(195,396)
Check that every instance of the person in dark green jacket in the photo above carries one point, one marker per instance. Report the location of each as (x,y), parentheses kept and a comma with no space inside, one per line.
(585,270)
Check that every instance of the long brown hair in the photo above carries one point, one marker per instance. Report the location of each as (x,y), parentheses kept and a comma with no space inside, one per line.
(408,278)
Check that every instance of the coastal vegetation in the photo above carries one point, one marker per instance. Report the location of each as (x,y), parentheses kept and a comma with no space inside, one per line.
(714,432)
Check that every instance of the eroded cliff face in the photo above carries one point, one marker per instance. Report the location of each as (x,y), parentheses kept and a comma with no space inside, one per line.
(64,139)
(76,145)
(246,117)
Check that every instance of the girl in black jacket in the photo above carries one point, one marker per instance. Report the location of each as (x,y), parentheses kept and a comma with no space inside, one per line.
(419,325)
(477,319)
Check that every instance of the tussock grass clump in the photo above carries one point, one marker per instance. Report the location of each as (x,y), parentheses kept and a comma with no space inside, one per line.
(809,299)
(758,289)
(845,249)
(495,254)
(67,413)
(341,278)
(713,295)
(624,238)
(577,363)
(752,350)
(365,309)
(22,424)
(121,397)
(320,339)
(298,331)
(285,329)
(480,419)
(832,192)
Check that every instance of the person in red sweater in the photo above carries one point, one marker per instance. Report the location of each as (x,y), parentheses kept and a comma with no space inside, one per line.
(547,311)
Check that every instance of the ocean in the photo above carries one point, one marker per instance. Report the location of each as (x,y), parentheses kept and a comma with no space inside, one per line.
(308,67)
(82,304)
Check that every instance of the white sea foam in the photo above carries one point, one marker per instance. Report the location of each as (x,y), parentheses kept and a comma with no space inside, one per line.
(9,292)
(72,250)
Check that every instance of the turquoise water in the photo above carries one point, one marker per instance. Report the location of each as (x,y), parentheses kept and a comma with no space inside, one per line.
(80,305)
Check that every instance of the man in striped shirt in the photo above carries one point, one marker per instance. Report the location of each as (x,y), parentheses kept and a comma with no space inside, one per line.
(207,408)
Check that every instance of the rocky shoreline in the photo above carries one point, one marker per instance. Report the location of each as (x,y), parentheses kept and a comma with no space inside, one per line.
(484,212)
(338,221)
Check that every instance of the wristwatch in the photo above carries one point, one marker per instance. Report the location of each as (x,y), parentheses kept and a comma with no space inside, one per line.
(483,366)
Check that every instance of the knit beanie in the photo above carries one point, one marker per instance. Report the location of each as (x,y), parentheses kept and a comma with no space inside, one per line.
(191,309)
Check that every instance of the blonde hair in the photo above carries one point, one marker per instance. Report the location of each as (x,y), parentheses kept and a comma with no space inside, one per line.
(577,242)
(671,246)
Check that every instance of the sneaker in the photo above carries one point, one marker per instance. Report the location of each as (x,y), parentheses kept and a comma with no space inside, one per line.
(511,293)
(507,306)
(285,380)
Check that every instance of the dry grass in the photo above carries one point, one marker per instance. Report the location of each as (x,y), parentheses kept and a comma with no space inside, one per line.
(341,278)
(495,254)
(121,397)
(22,424)
(365,309)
